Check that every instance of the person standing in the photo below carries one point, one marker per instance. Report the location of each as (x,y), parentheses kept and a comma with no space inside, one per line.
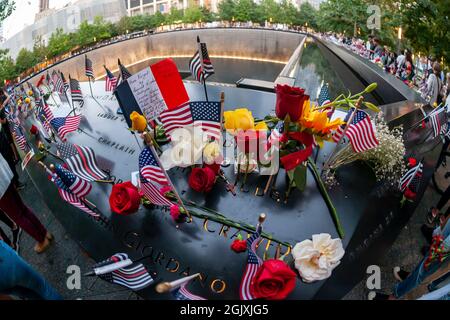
(18,278)
(434,85)
(13,206)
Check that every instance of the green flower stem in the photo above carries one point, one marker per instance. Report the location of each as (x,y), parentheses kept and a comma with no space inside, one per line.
(220,218)
(327,198)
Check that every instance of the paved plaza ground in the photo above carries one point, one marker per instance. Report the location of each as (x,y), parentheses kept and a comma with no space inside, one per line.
(64,252)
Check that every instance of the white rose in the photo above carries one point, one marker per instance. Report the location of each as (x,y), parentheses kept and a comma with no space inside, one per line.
(187,149)
(316,259)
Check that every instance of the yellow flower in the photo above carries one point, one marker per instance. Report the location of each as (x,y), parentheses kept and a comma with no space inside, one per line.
(30,93)
(27,100)
(239,119)
(211,152)
(317,121)
(138,122)
(261,126)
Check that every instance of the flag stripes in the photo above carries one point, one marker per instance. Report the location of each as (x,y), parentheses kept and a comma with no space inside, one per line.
(409,175)
(75,91)
(110,81)
(134,277)
(182,293)
(253,264)
(89,71)
(66,125)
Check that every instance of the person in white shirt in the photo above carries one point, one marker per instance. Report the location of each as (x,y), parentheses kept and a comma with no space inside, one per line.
(434,85)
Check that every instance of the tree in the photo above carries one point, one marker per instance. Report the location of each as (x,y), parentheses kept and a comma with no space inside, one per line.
(25,60)
(426,24)
(306,15)
(6,8)
(7,67)
(267,9)
(193,14)
(175,15)
(287,13)
(59,43)
(227,9)
(245,10)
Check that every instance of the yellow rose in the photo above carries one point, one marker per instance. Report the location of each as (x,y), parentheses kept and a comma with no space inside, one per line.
(211,152)
(30,93)
(27,100)
(239,119)
(261,126)
(138,122)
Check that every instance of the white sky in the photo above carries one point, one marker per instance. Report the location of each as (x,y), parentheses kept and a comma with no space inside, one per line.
(24,15)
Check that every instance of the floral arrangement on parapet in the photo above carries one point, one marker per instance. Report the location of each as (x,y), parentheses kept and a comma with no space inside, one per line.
(386,160)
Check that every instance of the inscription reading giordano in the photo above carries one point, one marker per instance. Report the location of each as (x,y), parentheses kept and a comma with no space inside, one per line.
(117,146)
(133,240)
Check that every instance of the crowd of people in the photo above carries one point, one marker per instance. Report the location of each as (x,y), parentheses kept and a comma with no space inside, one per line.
(422,73)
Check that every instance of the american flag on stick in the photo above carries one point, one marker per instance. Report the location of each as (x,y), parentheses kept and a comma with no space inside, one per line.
(360,131)
(178,288)
(253,264)
(72,189)
(324,95)
(89,71)
(65,83)
(125,74)
(81,160)
(134,277)
(110,81)
(203,114)
(200,64)
(19,136)
(58,84)
(66,125)
(152,176)
(75,91)
(436,122)
(405,181)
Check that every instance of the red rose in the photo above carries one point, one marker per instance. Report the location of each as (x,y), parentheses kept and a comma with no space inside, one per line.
(239,246)
(176,214)
(202,179)
(290,102)
(412,162)
(249,140)
(409,194)
(292,160)
(274,280)
(33,130)
(124,198)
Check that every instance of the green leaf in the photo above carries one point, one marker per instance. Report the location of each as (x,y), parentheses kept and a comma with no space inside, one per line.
(372,107)
(300,177)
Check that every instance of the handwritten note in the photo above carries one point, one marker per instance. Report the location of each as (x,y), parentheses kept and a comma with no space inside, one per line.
(147,94)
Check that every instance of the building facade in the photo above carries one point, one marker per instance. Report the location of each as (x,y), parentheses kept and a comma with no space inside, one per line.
(67,18)
(136,7)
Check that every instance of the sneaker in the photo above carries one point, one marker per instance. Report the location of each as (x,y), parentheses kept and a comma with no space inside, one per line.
(400,274)
(379,296)
(42,246)
(16,238)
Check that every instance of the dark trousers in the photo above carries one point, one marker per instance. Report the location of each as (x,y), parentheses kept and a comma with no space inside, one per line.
(443,201)
(6,220)
(13,206)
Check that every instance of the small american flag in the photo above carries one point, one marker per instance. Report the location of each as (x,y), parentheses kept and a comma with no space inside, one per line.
(151,173)
(324,95)
(436,122)
(360,132)
(81,160)
(65,83)
(134,277)
(19,136)
(44,114)
(182,293)
(48,79)
(125,74)
(273,142)
(66,125)
(203,114)
(75,91)
(111,81)
(58,84)
(72,189)
(89,71)
(253,264)
(406,180)
(200,64)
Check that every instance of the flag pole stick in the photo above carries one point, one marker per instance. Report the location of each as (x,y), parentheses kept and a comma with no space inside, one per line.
(92,94)
(206,91)
(148,140)
(347,125)
(165,287)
